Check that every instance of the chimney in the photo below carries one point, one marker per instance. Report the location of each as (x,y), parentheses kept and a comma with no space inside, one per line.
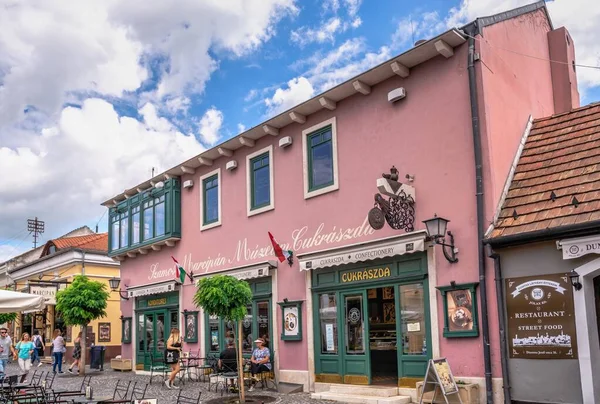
(564,75)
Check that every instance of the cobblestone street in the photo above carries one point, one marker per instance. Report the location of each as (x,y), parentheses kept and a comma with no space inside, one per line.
(104,382)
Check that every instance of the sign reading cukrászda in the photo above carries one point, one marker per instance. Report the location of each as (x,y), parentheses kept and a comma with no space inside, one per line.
(541,317)
(369,274)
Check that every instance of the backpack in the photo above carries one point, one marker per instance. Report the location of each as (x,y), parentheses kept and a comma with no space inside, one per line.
(38,342)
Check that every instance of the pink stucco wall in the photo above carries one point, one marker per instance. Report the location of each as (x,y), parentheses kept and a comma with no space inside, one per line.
(427,135)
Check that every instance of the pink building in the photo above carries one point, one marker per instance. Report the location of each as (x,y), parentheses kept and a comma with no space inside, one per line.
(357,305)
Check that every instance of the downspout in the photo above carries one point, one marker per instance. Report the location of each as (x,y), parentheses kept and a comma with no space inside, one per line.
(471,31)
(501,323)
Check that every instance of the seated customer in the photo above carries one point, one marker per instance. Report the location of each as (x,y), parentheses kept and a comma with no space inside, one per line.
(228,359)
(260,361)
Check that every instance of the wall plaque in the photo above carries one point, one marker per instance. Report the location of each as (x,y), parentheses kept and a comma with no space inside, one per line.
(541,317)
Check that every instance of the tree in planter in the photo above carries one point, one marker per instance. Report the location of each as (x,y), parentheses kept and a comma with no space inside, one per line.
(81,302)
(226,297)
(7,317)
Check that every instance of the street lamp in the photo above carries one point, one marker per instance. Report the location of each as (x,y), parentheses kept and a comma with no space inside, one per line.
(114,286)
(574,277)
(436,229)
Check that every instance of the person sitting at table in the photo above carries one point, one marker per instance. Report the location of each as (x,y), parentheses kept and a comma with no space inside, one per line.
(228,360)
(260,361)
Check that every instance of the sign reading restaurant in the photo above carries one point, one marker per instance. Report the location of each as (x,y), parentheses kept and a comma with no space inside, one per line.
(541,317)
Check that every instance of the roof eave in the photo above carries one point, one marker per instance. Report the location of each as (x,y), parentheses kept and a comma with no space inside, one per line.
(553,233)
(409,59)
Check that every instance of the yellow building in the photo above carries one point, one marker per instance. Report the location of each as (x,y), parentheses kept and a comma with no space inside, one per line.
(60,260)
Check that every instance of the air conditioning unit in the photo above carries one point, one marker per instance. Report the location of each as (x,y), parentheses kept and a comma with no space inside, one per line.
(396,94)
(285,141)
(188,184)
(231,165)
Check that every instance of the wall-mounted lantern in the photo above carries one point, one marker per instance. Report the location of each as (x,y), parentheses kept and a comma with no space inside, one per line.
(436,229)
(574,277)
(114,286)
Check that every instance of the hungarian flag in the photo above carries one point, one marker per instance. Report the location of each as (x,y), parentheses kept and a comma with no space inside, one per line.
(179,271)
(282,255)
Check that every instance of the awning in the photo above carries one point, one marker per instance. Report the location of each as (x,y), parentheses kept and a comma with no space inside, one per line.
(152,289)
(11,302)
(578,247)
(246,272)
(384,248)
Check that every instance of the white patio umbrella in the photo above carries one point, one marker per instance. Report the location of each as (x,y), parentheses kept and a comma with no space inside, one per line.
(11,302)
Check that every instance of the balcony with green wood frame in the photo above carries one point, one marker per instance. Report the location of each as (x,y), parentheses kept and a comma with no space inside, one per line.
(145,221)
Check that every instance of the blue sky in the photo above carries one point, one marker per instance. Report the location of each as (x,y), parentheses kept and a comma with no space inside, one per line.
(95,94)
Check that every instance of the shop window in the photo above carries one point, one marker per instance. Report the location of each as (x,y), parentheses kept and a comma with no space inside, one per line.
(328,323)
(412,304)
(263,321)
(354,320)
(210,200)
(260,181)
(247,335)
(140,333)
(320,159)
(213,328)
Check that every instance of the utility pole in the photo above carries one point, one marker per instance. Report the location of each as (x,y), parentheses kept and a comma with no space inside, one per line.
(36,227)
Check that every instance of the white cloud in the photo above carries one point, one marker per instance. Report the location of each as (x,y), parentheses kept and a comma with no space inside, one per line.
(210,126)
(241,127)
(328,28)
(251,95)
(298,89)
(422,26)
(178,104)
(91,154)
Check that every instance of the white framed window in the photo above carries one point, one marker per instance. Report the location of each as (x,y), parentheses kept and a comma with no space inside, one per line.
(210,200)
(320,161)
(259,181)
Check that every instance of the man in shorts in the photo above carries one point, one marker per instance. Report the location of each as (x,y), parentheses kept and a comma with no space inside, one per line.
(6,347)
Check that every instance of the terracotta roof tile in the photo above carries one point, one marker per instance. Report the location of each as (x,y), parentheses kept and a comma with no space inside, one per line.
(561,155)
(95,242)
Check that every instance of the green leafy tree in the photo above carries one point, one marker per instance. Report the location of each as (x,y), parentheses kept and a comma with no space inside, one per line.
(80,303)
(7,317)
(226,297)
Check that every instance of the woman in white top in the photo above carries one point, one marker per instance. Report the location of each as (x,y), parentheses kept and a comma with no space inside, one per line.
(58,349)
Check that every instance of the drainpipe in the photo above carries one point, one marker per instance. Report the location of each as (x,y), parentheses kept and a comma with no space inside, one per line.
(471,30)
(501,322)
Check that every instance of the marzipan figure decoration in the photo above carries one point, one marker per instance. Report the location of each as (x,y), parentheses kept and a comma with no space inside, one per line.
(399,210)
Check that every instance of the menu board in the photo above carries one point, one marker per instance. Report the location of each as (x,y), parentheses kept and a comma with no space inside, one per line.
(439,376)
(541,317)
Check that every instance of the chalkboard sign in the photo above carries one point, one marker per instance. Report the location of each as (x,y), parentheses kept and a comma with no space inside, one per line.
(439,378)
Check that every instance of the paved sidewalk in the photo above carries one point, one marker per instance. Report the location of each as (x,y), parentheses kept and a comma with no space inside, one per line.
(104,382)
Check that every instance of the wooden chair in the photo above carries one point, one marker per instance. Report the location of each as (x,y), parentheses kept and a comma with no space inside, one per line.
(181,399)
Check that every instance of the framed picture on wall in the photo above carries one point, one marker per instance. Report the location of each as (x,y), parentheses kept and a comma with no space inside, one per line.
(388,293)
(190,321)
(460,310)
(291,329)
(69,333)
(103,332)
(126,330)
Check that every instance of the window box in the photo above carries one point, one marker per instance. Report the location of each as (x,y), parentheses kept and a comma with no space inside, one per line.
(320,163)
(150,217)
(259,181)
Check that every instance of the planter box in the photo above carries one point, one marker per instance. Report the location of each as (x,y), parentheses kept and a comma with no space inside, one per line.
(469,394)
(121,364)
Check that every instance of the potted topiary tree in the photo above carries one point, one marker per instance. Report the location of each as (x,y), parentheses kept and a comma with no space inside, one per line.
(226,297)
(81,302)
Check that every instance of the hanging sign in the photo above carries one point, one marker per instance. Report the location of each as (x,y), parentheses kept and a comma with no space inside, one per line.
(541,317)
(575,248)
(47,291)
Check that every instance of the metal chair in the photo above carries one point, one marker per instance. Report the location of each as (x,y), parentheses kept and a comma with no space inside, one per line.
(59,394)
(139,393)
(158,365)
(181,399)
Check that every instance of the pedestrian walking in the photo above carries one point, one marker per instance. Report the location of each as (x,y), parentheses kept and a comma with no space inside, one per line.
(38,352)
(58,349)
(6,348)
(172,354)
(25,349)
(76,354)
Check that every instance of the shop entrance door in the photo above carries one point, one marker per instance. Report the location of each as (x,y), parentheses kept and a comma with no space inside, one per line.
(152,335)
(356,362)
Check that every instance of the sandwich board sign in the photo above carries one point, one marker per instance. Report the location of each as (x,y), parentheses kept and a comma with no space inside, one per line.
(146,401)
(439,378)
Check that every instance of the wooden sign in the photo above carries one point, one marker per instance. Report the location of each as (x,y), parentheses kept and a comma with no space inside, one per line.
(439,379)
(541,317)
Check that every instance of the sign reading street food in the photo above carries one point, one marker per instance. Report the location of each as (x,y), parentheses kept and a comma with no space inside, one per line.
(541,317)
(366,274)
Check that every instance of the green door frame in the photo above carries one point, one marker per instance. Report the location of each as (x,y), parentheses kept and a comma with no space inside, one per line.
(356,368)
(168,313)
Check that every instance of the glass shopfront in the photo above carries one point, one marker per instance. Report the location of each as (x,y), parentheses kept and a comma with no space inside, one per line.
(372,322)
(258,322)
(155,316)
